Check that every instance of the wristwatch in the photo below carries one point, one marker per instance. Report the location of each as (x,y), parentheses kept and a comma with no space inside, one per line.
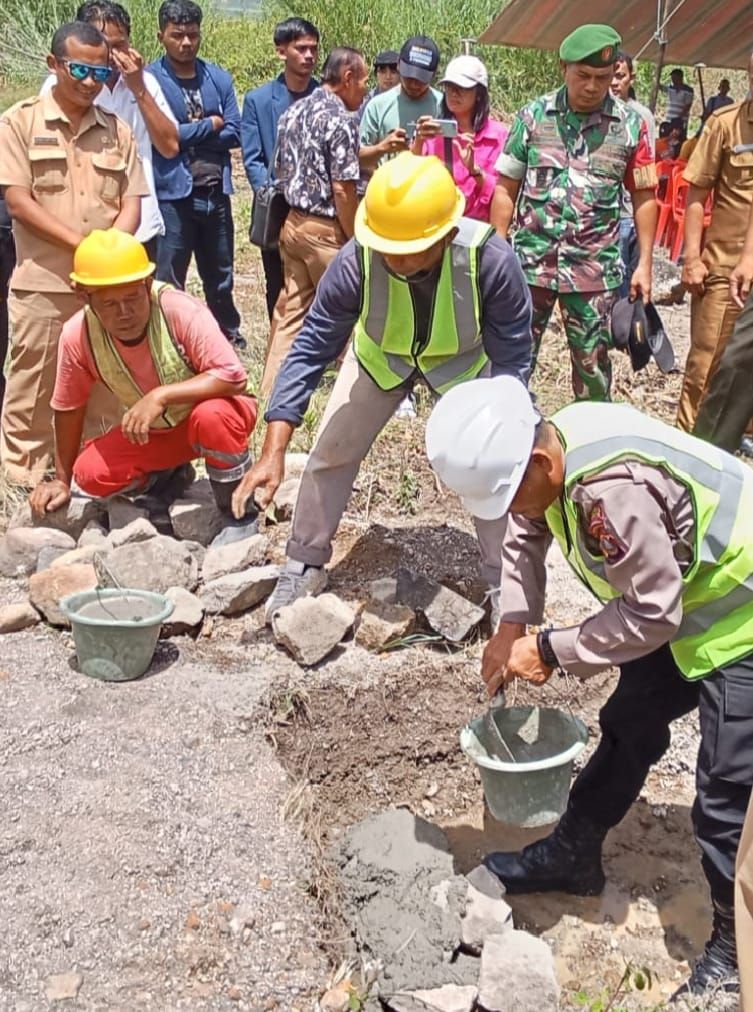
(546,650)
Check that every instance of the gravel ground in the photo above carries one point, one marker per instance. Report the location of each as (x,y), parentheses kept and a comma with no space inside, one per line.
(142,844)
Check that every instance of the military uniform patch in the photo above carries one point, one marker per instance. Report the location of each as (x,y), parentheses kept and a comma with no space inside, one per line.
(611,547)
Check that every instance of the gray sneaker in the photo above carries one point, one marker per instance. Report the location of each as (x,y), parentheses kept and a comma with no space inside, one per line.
(296,580)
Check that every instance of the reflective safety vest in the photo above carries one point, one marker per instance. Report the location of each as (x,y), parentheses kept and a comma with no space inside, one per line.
(384,338)
(168,358)
(717,598)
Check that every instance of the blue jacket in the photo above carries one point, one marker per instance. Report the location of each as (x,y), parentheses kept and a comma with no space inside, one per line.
(262,109)
(172,176)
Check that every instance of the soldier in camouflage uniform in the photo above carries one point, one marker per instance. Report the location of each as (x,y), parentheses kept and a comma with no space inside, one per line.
(565,161)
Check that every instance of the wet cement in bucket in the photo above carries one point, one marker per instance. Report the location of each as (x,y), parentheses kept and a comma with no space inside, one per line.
(128,608)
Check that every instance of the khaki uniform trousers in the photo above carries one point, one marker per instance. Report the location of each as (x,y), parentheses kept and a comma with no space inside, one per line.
(308,245)
(712,320)
(27,442)
(744,911)
(356,413)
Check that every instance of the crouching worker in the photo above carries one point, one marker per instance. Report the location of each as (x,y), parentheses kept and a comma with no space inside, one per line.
(162,354)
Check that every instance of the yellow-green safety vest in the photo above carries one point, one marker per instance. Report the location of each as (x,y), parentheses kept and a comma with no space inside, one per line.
(169,361)
(384,339)
(717,598)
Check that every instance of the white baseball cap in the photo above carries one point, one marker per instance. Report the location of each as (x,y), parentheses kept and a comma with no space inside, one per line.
(479,439)
(466,72)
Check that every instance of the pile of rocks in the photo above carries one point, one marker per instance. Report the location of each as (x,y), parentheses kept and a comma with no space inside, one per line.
(90,543)
(441,942)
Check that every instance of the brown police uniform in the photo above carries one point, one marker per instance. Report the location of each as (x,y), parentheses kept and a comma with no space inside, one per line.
(722,162)
(81,178)
(641,521)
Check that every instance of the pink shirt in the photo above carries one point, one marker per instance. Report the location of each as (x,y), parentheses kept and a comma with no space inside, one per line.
(488,145)
(193,327)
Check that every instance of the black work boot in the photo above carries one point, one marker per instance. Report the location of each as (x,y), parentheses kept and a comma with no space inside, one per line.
(569,861)
(161,490)
(234,530)
(716,969)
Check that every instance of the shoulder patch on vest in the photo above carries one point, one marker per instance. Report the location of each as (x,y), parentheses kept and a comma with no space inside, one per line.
(612,548)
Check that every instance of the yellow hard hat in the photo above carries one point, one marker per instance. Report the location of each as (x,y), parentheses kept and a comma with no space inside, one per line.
(410,203)
(110,257)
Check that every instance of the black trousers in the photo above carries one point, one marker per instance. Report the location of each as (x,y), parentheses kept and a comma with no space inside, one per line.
(272,263)
(7,263)
(728,405)
(635,722)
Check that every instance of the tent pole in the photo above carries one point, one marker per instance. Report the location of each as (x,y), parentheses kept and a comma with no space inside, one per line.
(661,38)
(657,77)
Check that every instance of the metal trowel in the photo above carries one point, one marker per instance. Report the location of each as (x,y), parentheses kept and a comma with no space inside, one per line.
(498,703)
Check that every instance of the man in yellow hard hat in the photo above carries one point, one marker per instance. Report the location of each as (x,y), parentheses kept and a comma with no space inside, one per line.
(164,357)
(428,295)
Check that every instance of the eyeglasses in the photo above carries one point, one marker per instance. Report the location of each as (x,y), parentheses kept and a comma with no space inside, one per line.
(80,71)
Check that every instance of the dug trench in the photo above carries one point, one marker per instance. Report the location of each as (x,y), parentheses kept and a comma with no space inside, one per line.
(370,732)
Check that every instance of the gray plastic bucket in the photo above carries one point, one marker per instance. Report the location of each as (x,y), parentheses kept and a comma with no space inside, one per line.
(115,630)
(532,791)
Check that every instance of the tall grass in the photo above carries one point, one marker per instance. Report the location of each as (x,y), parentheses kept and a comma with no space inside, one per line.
(244,45)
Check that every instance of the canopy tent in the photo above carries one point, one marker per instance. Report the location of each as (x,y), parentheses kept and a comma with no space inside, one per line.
(716,33)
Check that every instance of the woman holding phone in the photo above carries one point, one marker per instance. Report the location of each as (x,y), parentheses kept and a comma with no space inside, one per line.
(472,147)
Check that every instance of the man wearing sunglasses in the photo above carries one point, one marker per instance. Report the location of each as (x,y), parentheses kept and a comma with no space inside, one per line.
(133,94)
(67,168)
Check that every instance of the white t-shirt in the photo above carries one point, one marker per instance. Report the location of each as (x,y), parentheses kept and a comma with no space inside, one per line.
(122,102)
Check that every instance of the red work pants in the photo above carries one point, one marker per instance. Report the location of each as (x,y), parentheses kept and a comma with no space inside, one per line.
(216,429)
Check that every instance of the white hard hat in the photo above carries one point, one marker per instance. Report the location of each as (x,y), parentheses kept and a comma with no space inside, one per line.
(479,439)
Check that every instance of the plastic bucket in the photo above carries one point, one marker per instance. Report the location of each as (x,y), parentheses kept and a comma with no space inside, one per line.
(115,630)
(532,791)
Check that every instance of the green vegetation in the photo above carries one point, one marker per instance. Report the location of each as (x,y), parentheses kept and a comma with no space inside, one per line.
(244,46)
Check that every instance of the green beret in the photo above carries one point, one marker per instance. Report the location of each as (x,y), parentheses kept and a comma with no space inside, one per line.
(596,45)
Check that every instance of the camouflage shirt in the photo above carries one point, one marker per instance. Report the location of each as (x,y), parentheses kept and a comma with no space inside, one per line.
(572,167)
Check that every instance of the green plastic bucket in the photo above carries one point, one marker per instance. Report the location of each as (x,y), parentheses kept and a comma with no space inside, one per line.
(532,791)
(115,630)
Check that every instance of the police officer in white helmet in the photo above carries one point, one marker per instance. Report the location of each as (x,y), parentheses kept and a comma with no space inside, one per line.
(659,526)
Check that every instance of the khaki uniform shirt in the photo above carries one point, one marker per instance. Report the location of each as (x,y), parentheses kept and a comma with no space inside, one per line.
(641,520)
(80,178)
(721,163)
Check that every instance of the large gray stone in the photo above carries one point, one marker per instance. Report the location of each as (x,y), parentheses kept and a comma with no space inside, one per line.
(48,588)
(76,555)
(196,520)
(285,499)
(517,974)
(234,558)
(311,627)
(15,617)
(49,555)
(187,615)
(381,624)
(383,590)
(93,534)
(20,548)
(137,530)
(121,512)
(237,592)
(156,564)
(448,998)
(71,519)
(486,911)
(448,613)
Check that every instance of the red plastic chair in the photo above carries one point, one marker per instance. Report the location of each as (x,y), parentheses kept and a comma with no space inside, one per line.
(679,205)
(665,173)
